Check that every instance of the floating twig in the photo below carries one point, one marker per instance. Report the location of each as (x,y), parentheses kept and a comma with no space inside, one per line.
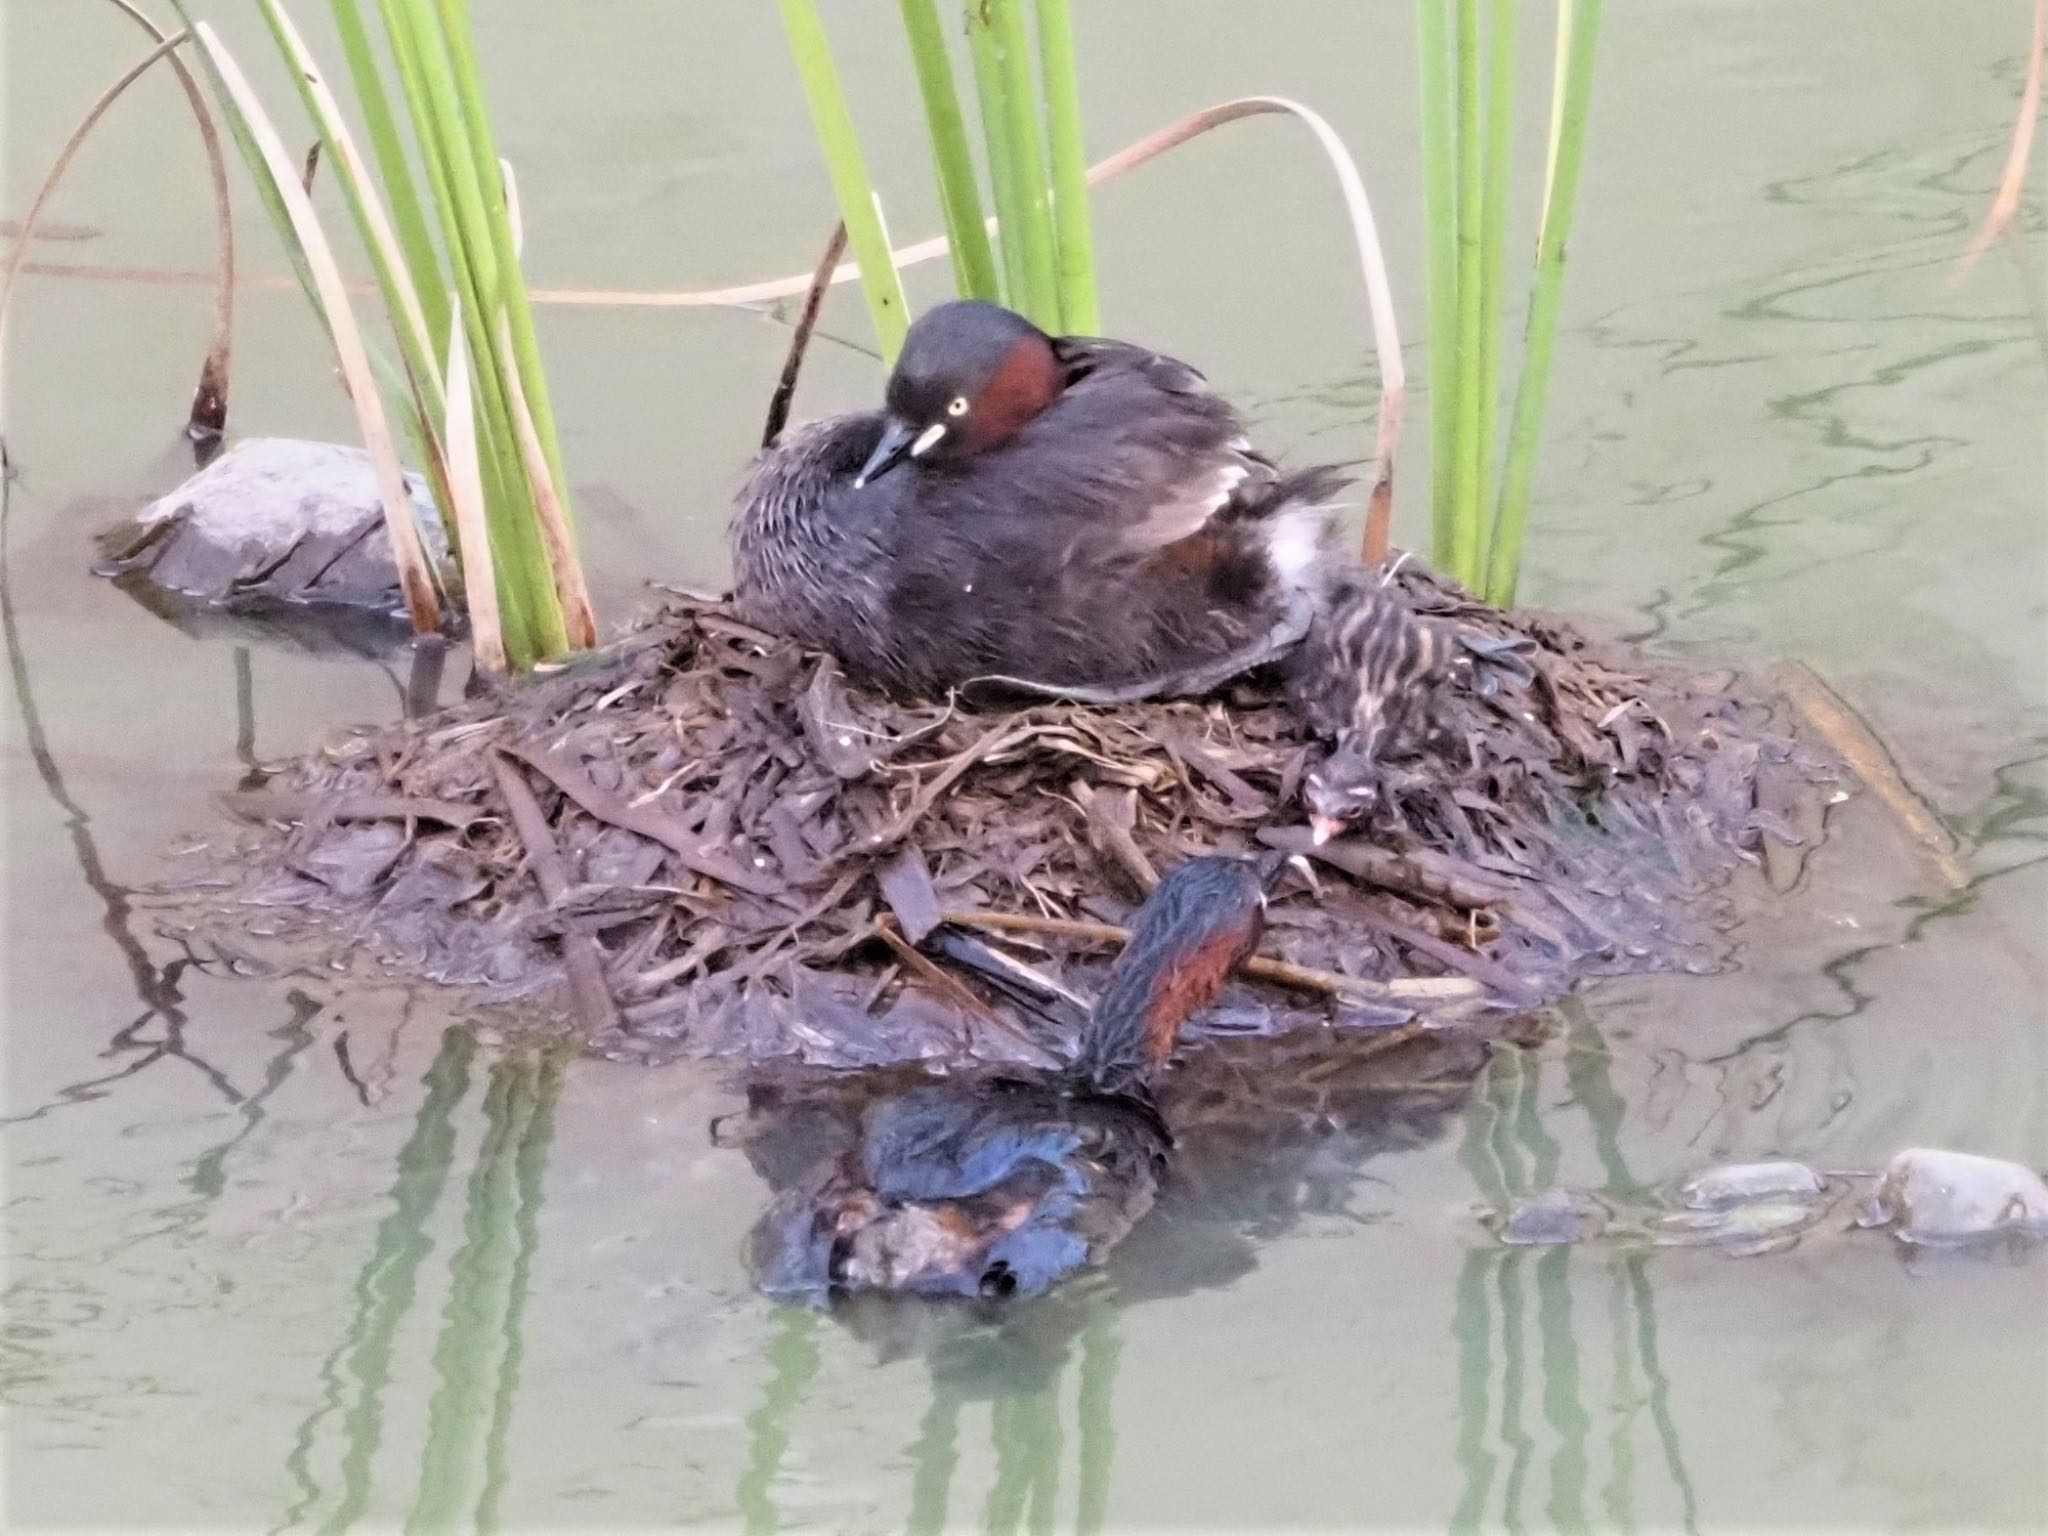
(1837,723)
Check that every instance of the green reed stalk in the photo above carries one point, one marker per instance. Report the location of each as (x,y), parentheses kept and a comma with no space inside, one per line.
(1020,111)
(532,608)
(394,170)
(1005,187)
(1500,99)
(518,313)
(402,300)
(1440,233)
(1000,45)
(1545,302)
(973,257)
(1467,451)
(1080,312)
(857,207)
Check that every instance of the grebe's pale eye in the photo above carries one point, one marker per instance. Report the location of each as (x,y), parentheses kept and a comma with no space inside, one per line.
(957,406)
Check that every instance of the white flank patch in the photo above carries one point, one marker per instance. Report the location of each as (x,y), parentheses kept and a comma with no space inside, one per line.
(1228,479)
(1294,540)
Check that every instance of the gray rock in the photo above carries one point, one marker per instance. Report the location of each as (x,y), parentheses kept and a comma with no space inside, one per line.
(1740,1183)
(1556,1216)
(272,522)
(1931,1196)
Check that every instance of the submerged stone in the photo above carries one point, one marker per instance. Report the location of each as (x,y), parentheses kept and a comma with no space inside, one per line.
(1932,1196)
(1556,1216)
(1762,1225)
(273,522)
(1739,1183)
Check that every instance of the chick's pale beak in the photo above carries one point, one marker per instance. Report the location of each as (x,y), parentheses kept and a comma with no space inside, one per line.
(898,443)
(1323,828)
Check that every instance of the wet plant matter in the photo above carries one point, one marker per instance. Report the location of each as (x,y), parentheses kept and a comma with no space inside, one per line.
(727,850)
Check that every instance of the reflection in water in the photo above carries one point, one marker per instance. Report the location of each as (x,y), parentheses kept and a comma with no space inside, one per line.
(1019,1359)
(792,1366)
(476,1359)
(155,987)
(1510,1155)
(934,1455)
(1260,1142)
(209,1173)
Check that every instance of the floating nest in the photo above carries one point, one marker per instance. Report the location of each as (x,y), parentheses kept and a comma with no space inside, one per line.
(722,848)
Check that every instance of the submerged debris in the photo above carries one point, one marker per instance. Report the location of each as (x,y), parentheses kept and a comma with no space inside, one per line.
(737,853)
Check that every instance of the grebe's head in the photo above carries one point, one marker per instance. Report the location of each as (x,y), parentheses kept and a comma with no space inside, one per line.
(1345,786)
(969,377)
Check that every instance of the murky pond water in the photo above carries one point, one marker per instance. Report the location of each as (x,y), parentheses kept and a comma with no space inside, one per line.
(298,1253)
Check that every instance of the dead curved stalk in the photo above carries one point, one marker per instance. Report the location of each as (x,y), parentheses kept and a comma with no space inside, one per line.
(208,414)
(62,163)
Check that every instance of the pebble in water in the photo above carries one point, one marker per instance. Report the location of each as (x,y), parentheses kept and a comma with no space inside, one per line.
(1741,1183)
(1749,1227)
(1931,1196)
(1556,1216)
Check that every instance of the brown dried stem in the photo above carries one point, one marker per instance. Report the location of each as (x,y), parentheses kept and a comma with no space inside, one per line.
(209,413)
(800,337)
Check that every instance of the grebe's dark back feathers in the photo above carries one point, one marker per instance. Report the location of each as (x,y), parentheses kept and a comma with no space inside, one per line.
(1122,535)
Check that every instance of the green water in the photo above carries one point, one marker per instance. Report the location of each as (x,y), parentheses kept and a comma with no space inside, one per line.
(289,1254)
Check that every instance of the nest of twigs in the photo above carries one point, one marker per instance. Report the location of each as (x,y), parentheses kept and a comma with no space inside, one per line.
(725,849)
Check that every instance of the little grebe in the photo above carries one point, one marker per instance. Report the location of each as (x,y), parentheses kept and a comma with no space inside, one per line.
(1003,1186)
(1364,679)
(1068,514)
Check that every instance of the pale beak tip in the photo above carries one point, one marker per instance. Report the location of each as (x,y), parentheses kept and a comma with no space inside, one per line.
(1323,828)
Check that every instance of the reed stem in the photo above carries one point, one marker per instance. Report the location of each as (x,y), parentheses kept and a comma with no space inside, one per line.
(1467,452)
(1545,302)
(1500,103)
(1020,113)
(1080,311)
(974,260)
(857,205)
(1440,235)
(394,170)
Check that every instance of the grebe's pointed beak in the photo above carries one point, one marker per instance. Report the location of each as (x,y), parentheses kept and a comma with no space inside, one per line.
(897,444)
(1323,828)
